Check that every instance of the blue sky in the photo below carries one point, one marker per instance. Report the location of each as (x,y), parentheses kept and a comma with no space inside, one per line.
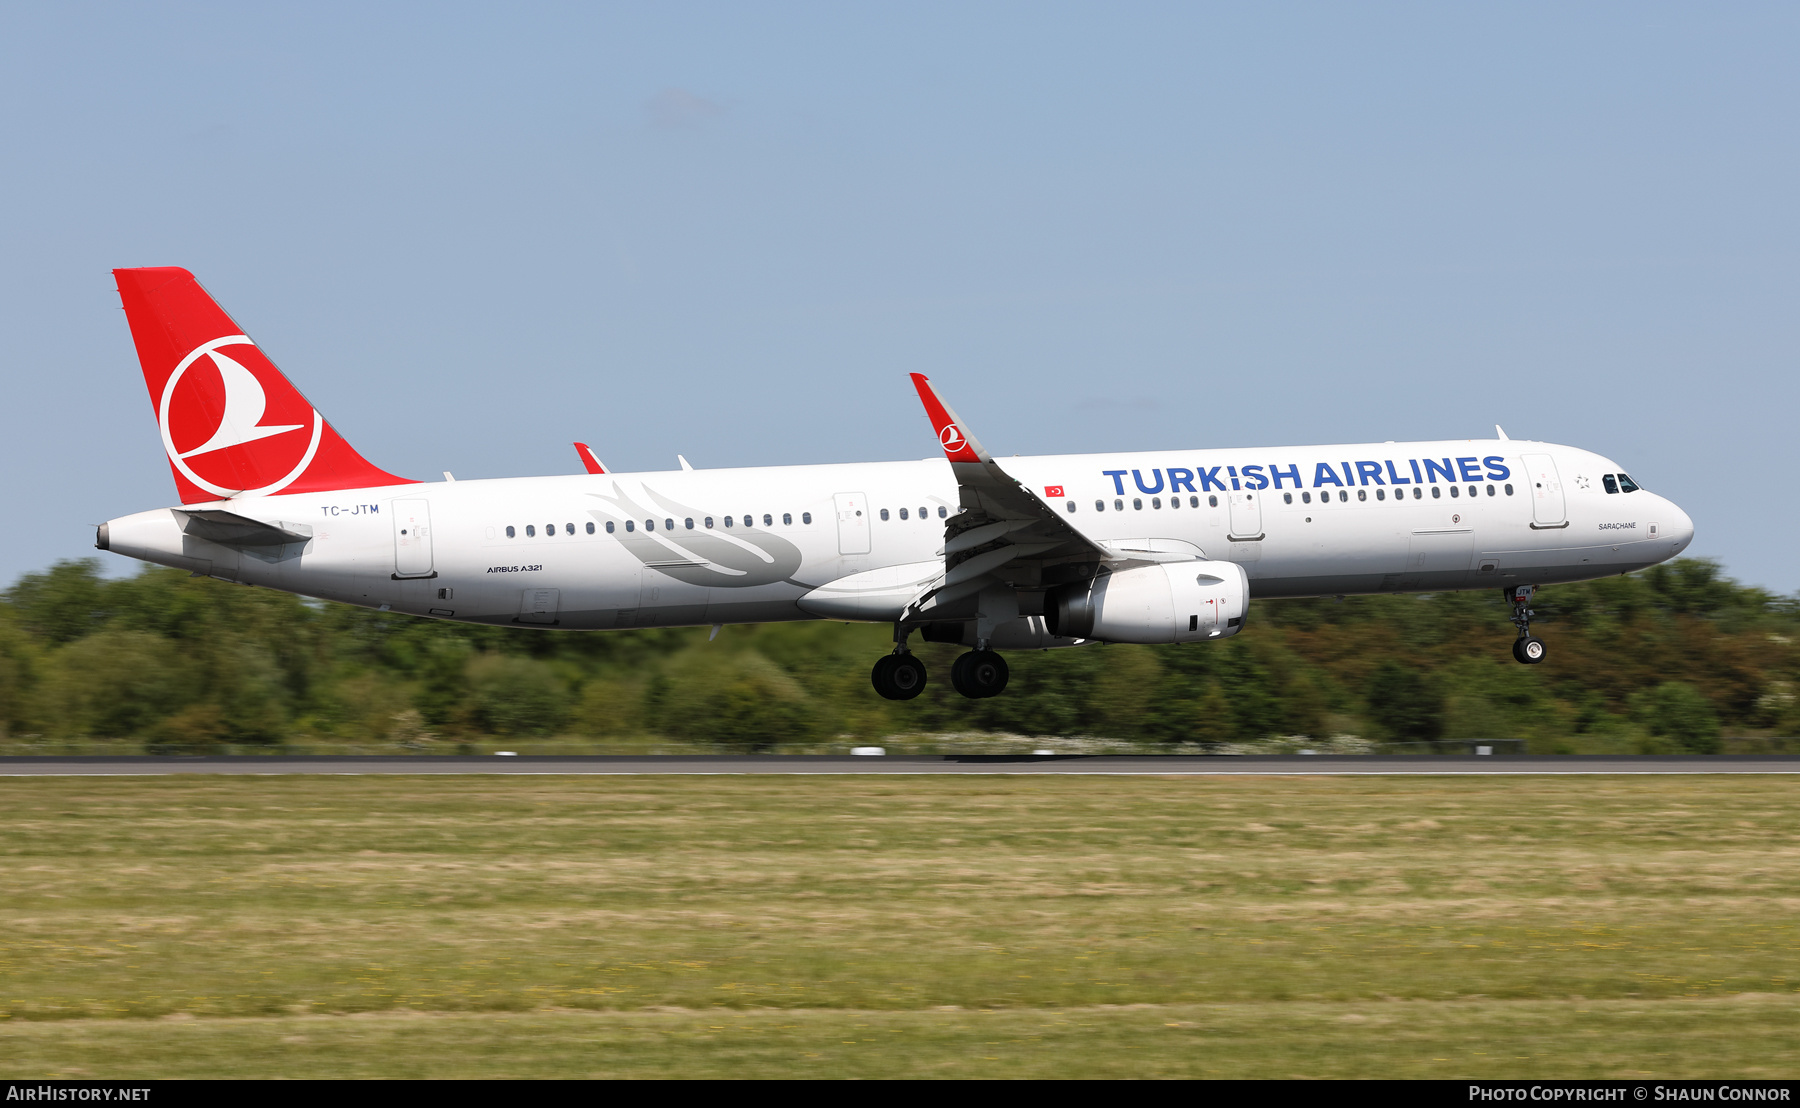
(474,234)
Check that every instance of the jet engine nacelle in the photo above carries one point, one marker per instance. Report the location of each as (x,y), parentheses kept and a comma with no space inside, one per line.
(1167,602)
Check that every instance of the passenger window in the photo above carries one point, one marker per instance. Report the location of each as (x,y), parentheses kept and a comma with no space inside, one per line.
(590,528)
(1343,496)
(690,522)
(787,519)
(630,525)
(531,531)
(1137,504)
(768,520)
(1454,491)
(1071,507)
(707,523)
(1380,495)
(568,528)
(1362,494)
(1118,505)
(649,525)
(509,532)
(1212,502)
(1156,502)
(1626,484)
(1099,505)
(1419,493)
(1287,498)
(884,515)
(1436,492)
(1490,490)
(1306,498)
(609,526)
(1174,501)
(728,521)
(903,514)
(668,525)
(1509,491)
(943,512)
(805,517)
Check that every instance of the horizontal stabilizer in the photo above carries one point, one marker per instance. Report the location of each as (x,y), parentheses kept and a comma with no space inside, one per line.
(231,529)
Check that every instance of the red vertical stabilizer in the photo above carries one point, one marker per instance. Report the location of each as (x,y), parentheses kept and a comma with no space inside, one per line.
(231,423)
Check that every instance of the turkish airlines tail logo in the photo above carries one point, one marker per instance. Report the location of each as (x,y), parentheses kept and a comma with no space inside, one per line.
(245,403)
(232,424)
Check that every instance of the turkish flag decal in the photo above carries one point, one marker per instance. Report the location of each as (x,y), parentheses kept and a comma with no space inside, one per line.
(1053,490)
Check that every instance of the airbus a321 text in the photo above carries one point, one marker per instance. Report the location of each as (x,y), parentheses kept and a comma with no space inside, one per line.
(1164,546)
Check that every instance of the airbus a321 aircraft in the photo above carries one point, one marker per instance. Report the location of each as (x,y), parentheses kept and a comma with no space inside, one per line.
(1164,546)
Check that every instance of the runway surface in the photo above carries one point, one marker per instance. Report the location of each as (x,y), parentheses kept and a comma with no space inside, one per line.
(1146,765)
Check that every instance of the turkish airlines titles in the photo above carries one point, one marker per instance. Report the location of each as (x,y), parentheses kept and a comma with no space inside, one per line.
(1231,478)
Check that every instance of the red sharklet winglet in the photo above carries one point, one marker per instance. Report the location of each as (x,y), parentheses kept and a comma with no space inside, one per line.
(232,424)
(592,464)
(953,434)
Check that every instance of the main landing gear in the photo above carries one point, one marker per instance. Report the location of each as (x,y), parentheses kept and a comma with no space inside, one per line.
(901,676)
(1527,648)
(979,674)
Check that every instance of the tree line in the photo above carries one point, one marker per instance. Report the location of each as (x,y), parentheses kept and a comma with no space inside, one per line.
(1677,658)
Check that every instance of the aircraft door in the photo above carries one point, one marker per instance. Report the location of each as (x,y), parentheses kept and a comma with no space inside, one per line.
(853,522)
(539,606)
(1547,507)
(1438,550)
(1246,515)
(412,538)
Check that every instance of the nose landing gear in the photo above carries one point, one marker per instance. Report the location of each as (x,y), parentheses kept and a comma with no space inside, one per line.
(1527,648)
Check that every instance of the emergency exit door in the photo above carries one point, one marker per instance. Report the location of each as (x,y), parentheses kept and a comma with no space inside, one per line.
(853,522)
(1246,516)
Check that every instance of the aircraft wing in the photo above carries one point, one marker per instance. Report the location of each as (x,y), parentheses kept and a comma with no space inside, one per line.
(1005,532)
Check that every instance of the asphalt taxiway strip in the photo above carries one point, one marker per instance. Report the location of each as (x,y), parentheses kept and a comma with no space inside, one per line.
(1145,765)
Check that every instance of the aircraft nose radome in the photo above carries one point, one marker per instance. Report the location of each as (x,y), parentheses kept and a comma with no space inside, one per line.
(1681,527)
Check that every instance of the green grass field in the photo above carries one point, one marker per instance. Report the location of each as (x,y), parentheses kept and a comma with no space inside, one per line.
(882,926)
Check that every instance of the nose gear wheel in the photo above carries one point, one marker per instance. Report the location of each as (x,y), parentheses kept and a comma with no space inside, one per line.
(1528,649)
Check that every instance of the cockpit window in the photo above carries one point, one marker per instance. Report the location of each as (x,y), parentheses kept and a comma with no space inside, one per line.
(1626,484)
(1612,486)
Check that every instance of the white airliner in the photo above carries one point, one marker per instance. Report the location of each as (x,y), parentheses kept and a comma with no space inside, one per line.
(1163,546)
